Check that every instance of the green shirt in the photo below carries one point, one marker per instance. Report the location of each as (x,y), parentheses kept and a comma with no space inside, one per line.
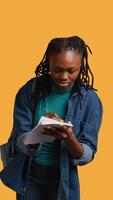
(57,102)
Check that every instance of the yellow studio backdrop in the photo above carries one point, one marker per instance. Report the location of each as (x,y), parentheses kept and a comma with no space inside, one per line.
(26,28)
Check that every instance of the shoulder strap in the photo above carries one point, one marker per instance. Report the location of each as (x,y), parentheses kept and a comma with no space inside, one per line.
(35,100)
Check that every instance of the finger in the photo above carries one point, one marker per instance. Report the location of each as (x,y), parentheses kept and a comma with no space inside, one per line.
(66,128)
(56,133)
(54,116)
(51,115)
(55,129)
(61,128)
(50,130)
(46,133)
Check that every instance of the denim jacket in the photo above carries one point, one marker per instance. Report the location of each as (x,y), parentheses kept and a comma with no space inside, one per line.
(86,124)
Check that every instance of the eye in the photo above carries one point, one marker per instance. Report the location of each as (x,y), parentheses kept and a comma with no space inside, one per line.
(71,71)
(57,70)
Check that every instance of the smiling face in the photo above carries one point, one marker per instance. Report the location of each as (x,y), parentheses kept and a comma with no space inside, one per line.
(65,68)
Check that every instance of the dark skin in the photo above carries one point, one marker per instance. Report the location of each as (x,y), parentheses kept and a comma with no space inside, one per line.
(65,68)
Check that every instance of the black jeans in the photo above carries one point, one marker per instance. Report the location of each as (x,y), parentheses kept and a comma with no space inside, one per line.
(43,183)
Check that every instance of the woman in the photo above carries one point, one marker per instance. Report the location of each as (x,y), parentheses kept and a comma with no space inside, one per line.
(63,90)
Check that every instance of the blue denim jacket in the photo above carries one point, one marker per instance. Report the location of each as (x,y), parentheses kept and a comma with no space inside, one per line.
(86,123)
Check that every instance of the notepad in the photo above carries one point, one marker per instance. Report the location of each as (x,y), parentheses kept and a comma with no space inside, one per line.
(36,136)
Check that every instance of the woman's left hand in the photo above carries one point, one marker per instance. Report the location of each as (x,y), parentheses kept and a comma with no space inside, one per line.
(67,135)
(62,132)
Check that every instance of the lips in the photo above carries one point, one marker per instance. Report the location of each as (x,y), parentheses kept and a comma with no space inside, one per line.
(64,84)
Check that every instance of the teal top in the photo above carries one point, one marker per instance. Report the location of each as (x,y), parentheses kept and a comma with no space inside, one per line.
(57,102)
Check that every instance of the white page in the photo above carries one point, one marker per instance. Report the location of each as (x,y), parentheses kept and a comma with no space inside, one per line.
(36,136)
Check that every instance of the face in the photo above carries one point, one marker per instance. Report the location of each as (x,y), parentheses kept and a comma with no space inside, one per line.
(65,68)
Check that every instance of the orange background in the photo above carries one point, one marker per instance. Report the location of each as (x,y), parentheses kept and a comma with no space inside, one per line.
(26,28)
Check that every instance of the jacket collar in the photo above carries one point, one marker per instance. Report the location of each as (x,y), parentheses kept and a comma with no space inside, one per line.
(83,91)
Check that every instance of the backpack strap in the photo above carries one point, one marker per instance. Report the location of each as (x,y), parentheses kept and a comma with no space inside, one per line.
(35,100)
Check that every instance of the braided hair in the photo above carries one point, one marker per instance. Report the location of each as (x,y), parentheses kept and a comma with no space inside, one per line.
(55,46)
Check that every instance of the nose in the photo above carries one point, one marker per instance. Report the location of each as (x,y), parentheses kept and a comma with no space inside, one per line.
(64,76)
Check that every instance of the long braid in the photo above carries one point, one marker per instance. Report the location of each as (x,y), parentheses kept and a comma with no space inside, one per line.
(56,45)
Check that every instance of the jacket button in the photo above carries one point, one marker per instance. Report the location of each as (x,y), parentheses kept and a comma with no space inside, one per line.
(24,189)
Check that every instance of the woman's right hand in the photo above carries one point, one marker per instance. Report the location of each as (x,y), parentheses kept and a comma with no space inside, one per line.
(54,116)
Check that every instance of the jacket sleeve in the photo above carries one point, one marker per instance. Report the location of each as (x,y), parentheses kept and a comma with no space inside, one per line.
(22,117)
(86,156)
(89,128)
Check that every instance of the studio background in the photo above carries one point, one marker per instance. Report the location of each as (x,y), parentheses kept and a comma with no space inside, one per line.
(26,28)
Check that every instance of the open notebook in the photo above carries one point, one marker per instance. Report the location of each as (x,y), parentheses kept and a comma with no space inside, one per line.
(36,136)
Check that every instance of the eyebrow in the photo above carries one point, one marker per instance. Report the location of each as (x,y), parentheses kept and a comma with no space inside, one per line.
(56,66)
